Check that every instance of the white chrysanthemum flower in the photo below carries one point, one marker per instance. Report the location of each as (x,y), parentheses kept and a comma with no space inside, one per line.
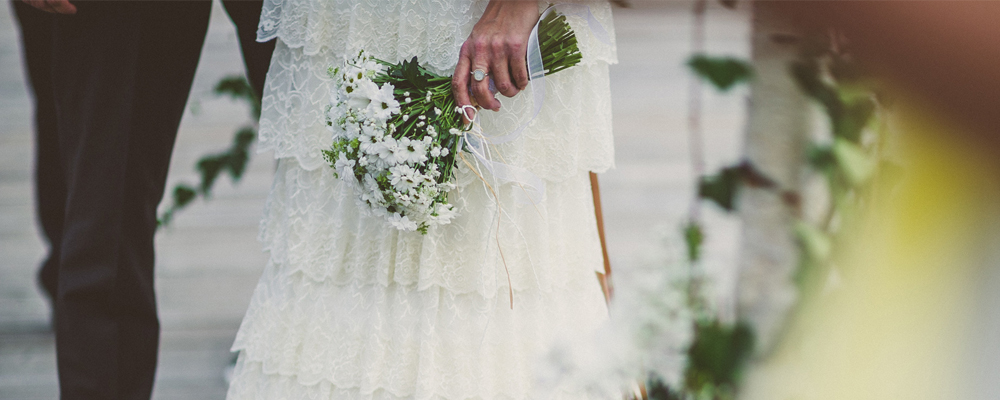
(435,152)
(410,151)
(443,214)
(383,105)
(361,97)
(455,131)
(433,173)
(402,177)
(344,166)
(385,149)
(366,144)
(402,223)
(419,154)
(371,68)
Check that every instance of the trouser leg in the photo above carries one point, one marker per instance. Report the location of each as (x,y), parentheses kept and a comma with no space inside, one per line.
(256,56)
(122,72)
(50,187)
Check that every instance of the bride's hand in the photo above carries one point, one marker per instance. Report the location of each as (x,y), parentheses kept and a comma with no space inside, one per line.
(498,45)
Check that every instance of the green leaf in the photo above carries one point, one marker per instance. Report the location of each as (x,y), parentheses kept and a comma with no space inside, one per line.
(721,188)
(236,164)
(237,88)
(693,236)
(821,158)
(816,245)
(656,389)
(853,119)
(210,167)
(807,76)
(183,195)
(722,72)
(244,138)
(718,354)
(856,166)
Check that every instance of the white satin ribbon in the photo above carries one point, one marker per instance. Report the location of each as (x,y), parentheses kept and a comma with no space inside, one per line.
(478,144)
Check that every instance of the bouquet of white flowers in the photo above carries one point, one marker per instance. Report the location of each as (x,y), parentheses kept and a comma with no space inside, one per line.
(398,132)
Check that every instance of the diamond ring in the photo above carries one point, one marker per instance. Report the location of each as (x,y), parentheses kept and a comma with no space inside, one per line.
(479,75)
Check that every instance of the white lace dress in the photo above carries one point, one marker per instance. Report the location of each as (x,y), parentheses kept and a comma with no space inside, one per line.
(350,308)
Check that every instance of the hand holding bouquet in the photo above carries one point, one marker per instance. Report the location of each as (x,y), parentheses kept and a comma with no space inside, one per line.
(398,128)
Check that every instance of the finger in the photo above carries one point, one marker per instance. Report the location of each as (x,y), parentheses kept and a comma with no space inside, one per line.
(500,72)
(460,80)
(61,6)
(481,89)
(519,70)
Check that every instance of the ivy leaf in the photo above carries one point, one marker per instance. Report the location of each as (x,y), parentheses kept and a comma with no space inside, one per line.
(816,244)
(722,72)
(718,354)
(807,76)
(183,195)
(656,389)
(237,88)
(853,118)
(210,167)
(821,158)
(244,137)
(856,166)
(723,187)
(694,236)
(236,164)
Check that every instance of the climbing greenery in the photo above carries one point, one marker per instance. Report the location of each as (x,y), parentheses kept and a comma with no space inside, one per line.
(851,160)
(231,161)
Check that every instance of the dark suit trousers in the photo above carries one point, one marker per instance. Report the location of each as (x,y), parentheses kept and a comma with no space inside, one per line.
(119,74)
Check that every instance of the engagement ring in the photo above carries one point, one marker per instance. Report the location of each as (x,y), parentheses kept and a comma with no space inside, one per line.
(479,75)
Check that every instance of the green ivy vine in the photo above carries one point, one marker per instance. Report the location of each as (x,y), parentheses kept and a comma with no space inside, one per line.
(854,166)
(231,161)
